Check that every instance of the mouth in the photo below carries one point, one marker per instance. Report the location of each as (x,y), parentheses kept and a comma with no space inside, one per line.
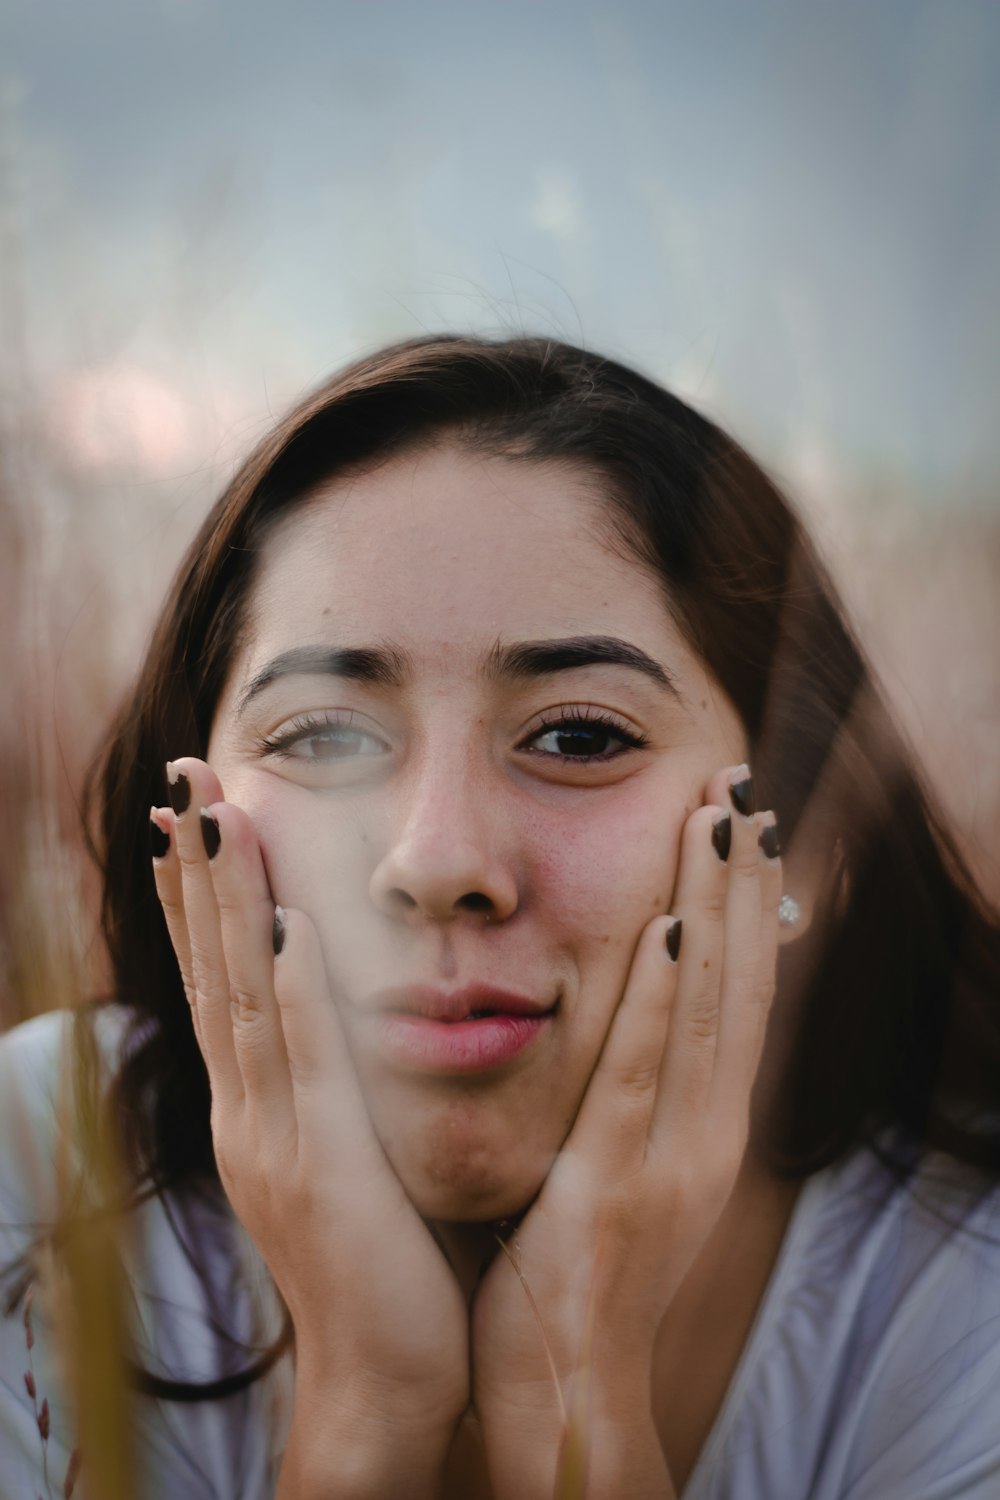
(473,1030)
(473,1002)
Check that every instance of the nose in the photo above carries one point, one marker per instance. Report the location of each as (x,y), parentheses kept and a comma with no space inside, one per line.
(447,854)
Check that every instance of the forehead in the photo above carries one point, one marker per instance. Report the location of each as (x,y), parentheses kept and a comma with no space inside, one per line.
(447,546)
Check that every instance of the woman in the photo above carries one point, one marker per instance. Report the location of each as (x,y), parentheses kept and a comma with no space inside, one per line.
(468,729)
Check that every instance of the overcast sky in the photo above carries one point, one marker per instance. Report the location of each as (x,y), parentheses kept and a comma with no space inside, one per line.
(791,211)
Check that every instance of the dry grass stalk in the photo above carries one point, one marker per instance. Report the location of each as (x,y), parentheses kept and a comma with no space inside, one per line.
(87,1285)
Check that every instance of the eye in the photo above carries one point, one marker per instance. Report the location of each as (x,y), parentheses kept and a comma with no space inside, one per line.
(581,734)
(319,739)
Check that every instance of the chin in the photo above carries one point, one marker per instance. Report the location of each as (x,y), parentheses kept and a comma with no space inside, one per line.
(468,1186)
(450,1207)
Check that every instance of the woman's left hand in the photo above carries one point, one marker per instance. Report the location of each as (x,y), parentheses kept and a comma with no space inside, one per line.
(642,1180)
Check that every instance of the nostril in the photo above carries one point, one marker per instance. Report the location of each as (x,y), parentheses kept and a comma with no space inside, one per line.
(474,901)
(402,901)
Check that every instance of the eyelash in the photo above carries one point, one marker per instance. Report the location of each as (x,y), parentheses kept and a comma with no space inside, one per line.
(594,719)
(566,719)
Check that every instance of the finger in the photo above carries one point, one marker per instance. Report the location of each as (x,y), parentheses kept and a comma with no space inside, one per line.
(327,1096)
(700,902)
(612,1125)
(742,932)
(192,785)
(746,1003)
(246,922)
(733,787)
(167,877)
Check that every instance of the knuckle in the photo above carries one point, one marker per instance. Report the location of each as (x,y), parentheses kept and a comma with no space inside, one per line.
(236,903)
(228,902)
(638,1079)
(304,1070)
(713,903)
(703,1018)
(244,1005)
(744,866)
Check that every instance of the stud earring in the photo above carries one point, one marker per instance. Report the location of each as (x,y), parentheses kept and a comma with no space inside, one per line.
(789,911)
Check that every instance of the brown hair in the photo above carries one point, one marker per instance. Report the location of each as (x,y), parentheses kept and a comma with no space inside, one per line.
(895,992)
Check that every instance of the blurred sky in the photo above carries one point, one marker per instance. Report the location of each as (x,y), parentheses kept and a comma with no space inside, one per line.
(790,211)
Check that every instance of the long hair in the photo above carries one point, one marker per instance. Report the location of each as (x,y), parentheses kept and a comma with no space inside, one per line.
(895,1017)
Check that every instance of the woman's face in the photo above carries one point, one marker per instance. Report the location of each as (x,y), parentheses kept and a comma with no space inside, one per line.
(479,799)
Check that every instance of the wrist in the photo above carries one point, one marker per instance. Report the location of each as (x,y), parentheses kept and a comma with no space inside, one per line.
(353,1441)
(608,1445)
(620,1458)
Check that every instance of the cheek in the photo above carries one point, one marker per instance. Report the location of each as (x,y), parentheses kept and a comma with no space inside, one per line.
(302,852)
(606,872)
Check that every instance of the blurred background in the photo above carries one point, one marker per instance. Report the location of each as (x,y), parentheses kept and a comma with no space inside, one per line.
(788,212)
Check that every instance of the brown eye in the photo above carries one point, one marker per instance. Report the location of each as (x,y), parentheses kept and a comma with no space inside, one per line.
(585,737)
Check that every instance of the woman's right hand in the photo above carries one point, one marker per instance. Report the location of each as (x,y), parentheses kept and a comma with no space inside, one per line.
(381,1325)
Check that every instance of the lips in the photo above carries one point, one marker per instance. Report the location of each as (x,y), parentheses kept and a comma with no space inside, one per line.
(473,1001)
(475,1030)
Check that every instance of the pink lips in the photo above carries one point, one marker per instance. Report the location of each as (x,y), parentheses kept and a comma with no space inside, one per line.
(463,1031)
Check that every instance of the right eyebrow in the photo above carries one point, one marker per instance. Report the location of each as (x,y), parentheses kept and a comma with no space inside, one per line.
(374,666)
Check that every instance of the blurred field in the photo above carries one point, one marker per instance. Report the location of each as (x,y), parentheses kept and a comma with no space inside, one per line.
(791,213)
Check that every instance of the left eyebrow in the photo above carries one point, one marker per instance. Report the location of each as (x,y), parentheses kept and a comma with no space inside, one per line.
(521,661)
(524,660)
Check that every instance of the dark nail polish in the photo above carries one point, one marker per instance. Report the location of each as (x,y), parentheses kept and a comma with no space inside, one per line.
(179,792)
(278,931)
(742,798)
(159,842)
(722,836)
(674,938)
(210,835)
(769,840)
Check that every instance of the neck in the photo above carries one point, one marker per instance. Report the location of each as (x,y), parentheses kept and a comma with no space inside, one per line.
(469,1249)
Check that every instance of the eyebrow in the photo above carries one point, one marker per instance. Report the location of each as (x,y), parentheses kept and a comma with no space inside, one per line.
(521,661)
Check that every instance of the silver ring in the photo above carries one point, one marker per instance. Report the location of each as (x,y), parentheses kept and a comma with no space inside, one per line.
(789,911)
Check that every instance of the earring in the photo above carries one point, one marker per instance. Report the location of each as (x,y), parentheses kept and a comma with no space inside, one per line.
(789,911)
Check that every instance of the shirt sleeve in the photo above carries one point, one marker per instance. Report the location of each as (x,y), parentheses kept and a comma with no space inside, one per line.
(219,1449)
(928,1424)
(36,1424)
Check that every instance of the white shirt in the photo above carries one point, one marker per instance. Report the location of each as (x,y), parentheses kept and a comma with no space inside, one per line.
(872,1371)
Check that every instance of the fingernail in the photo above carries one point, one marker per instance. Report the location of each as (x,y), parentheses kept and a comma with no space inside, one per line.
(210,834)
(179,791)
(278,930)
(159,842)
(741,795)
(674,938)
(769,840)
(722,836)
